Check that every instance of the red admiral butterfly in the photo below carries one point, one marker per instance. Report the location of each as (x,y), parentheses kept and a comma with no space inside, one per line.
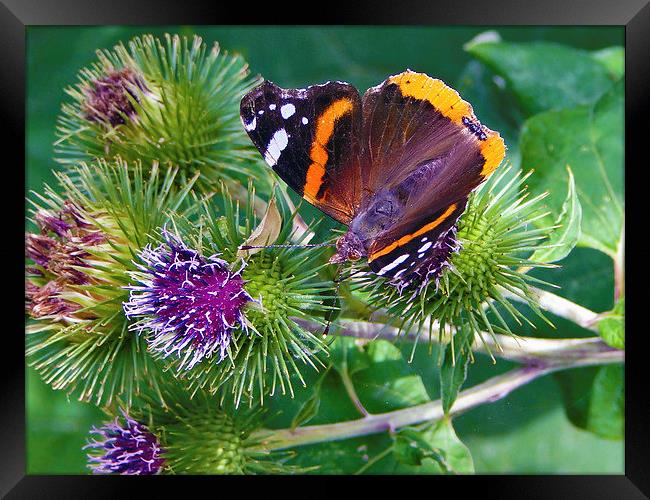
(395,166)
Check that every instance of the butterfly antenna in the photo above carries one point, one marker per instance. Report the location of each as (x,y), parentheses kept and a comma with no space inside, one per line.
(337,279)
(306,245)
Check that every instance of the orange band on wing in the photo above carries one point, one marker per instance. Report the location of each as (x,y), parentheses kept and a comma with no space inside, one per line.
(445,99)
(493,150)
(318,153)
(405,239)
(449,103)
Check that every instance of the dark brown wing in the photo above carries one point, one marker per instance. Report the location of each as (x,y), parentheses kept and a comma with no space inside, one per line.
(422,146)
(310,137)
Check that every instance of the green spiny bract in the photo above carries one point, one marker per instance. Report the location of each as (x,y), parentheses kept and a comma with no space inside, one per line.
(201,435)
(267,347)
(79,339)
(495,234)
(175,101)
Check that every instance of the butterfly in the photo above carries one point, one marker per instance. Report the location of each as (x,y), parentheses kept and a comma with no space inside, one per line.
(395,166)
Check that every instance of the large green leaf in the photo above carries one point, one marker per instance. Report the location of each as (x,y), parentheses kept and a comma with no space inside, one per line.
(529,432)
(613,58)
(390,383)
(588,139)
(544,75)
(594,399)
(565,236)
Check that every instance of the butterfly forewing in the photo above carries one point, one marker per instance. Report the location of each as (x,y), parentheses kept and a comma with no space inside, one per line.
(310,137)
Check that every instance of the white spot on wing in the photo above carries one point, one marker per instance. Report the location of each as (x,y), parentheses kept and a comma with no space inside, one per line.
(393,264)
(271,107)
(251,126)
(425,247)
(276,145)
(287,110)
(305,121)
(260,112)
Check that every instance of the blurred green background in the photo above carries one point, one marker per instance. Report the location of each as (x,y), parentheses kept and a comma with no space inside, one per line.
(526,432)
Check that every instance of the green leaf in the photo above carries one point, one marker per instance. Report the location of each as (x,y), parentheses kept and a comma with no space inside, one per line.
(594,399)
(589,139)
(309,408)
(612,327)
(607,415)
(545,75)
(438,442)
(613,58)
(389,382)
(348,354)
(453,371)
(412,448)
(382,378)
(564,238)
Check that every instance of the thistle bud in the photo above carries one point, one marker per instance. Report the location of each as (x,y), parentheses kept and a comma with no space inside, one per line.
(78,265)
(109,99)
(197,434)
(174,101)
(195,297)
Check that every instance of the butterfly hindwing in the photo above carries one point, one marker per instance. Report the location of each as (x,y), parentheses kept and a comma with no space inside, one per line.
(425,150)
(310,137)
(422,249)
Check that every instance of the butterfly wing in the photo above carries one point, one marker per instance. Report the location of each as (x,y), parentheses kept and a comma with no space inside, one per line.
(310,137)
(422,147)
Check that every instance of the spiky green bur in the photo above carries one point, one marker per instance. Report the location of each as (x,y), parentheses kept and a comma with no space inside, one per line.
(81,266)
(284,284)
(496,236)
(201,436)
(175,101)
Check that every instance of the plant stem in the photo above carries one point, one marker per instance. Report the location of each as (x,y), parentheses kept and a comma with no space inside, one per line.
(520,349)
(619,267)
(489,391)
(373,461)
(528,350)
(562,307)
(542,356)
(352,393)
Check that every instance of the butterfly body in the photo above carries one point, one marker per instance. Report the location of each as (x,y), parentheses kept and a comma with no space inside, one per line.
(396,165)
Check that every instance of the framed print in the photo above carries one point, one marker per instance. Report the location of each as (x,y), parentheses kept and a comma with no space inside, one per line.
(382,247)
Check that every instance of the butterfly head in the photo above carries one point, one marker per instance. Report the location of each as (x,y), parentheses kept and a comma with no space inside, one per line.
(348,247)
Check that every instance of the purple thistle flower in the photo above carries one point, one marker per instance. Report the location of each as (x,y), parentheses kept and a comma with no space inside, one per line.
(128,449)
(107,98)
(188,302)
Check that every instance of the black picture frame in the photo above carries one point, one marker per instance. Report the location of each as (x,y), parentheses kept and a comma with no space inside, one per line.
(17,15)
